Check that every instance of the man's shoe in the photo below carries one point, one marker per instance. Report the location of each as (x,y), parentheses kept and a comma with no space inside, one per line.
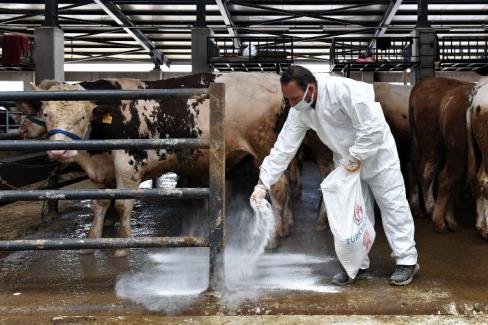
(403,274)
(342,278)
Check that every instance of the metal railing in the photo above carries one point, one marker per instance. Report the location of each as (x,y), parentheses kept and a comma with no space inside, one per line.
(215,191)
(372,50)
(464,49)
(262,53)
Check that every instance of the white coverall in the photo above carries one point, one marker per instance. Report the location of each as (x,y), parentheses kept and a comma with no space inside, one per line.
(349,121)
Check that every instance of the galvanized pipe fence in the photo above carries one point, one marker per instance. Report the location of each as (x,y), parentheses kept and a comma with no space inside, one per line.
(215,192)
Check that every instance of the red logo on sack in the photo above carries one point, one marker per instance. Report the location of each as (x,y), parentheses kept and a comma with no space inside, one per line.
(366,240)
(358,214)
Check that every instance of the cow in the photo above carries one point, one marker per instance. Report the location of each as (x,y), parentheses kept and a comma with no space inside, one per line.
(426,141)
(254,106)
(476,119)
(452,177)
(394,102)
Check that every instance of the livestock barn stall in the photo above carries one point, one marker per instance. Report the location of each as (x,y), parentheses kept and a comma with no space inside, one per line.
(131,133)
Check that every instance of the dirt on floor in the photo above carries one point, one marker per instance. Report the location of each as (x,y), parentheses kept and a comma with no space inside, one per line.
(289,283)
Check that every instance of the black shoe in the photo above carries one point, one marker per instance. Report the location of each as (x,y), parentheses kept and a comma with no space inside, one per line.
(342,278)
(403,274)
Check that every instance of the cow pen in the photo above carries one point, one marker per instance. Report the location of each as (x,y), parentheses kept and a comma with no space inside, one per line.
(215,192)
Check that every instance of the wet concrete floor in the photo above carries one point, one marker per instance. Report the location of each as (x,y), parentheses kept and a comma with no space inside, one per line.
(44,285)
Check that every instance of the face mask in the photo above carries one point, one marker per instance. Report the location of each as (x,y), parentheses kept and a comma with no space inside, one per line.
(303,104)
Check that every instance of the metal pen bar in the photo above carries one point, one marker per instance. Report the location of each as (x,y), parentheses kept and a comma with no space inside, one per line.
(216,202)
(104,194)
(99,94)
(133,144)
(101,243)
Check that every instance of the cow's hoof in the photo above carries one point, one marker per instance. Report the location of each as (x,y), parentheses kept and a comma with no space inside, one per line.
(442,229)
(121,253)
(108,222)
(321,226)
(284,232)
(453,226)
(87,251)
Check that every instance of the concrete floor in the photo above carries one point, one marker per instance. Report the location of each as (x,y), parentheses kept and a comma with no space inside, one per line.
(64,287)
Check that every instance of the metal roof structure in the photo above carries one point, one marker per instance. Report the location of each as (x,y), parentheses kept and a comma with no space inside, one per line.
(128,30)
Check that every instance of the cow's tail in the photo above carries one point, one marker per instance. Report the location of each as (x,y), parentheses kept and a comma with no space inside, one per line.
(413,138)
(472,169)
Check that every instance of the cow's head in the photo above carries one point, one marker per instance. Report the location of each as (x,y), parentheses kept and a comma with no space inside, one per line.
(32,125)
(65,121)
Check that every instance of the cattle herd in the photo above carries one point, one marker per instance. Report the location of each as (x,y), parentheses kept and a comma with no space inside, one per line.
(438,125)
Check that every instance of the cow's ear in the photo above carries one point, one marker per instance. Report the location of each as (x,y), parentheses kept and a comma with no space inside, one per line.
(29,108)
(103,114)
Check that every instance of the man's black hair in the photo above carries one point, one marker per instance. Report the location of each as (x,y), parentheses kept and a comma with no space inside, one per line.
(302,76)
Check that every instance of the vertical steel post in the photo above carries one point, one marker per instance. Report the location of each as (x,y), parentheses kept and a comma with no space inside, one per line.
(51,13)
(52,205)
(216,203)
(200,19)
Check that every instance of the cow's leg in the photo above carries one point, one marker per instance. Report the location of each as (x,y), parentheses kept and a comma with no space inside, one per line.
(294,177)
(111,215)
(126,178)
(452,224)
(446,186)
(325,163)
(413,177)
(278,194)
(321,222)
(124,210)
(482,203)
(428,167)
(455,173)
(99,209)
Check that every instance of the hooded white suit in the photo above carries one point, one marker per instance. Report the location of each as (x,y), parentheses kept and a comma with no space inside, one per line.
(349,121)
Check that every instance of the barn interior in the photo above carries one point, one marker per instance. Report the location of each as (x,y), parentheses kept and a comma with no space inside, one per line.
(374,41)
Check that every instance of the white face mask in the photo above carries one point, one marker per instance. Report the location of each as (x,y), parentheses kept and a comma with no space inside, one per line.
(303,104)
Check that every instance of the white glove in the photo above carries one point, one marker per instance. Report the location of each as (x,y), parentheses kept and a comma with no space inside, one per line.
(352,164)
(259,194)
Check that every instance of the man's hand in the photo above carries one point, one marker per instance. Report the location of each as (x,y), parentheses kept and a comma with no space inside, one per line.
(258,194)
(352,164)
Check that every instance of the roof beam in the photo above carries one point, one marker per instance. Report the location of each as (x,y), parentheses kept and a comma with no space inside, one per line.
(299,13)
(41,12)
(388,17)
(122,20)
(390,12)
(229,23)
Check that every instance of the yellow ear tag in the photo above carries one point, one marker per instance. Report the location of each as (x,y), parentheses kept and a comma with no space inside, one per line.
(107,119)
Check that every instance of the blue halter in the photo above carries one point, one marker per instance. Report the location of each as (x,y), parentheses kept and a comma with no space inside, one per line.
(69,134)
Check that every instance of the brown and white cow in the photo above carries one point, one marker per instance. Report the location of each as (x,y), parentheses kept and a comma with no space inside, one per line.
(426,154)
(452,177)
(254,106)
(477,118)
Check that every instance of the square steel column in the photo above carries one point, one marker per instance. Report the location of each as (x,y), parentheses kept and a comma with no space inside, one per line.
(424,50)
(199,44)
(49,44)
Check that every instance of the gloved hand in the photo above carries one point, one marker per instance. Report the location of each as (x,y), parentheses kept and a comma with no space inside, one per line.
(352,164)
(258,194)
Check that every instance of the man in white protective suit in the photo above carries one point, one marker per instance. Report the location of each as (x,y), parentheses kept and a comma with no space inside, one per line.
(347,119)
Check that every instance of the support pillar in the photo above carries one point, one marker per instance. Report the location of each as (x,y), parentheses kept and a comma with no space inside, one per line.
(425,45)
(49,42)
(199,41)
(424,51)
